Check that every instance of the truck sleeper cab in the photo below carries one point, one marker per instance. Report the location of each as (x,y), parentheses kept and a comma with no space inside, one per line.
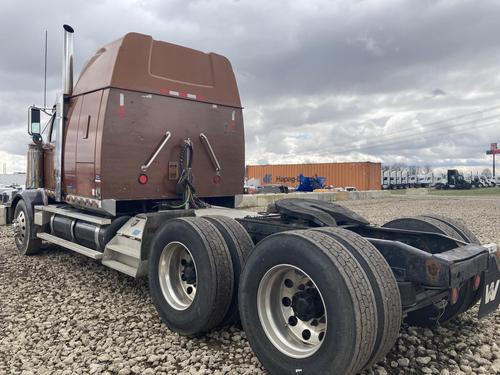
(127,119)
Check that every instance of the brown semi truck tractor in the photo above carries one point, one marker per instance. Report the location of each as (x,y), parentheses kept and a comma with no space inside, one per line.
(138,169)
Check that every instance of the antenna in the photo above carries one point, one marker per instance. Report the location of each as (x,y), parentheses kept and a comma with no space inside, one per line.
(45,75)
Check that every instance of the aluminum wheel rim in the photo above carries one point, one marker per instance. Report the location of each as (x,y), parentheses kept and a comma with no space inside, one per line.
(20,227)
(175,272)
(280,317)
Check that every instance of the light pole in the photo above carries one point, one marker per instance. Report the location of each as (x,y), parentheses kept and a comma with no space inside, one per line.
(493,151)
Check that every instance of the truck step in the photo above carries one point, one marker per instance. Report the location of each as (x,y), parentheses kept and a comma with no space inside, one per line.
(125,250)
(121,267)
(71,246)
(123,254)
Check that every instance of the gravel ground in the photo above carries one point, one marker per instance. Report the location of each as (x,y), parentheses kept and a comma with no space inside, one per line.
(61,313)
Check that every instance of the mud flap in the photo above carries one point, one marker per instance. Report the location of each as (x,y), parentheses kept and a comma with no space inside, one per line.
(491,290)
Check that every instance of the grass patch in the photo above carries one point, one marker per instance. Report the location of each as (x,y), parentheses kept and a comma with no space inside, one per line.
(398,192)
(482,192)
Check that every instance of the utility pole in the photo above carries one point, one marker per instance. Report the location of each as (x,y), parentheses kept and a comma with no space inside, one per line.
(493,151)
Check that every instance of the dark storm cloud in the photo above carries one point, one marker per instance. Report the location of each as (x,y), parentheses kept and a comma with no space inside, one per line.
(320,80)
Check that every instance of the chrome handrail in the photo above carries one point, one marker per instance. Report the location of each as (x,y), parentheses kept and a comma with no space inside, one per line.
(145,166)
(211,152)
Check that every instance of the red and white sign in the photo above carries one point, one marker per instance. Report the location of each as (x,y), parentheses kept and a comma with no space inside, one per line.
(493,149)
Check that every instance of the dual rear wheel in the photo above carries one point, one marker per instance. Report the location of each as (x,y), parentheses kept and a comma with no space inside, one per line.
(313,301)
(318,302)
(194,268)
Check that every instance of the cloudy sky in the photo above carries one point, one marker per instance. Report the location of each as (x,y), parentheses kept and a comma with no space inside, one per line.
(414,82)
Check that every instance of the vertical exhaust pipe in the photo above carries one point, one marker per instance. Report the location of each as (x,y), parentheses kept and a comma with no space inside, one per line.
(67,90)
(67,64)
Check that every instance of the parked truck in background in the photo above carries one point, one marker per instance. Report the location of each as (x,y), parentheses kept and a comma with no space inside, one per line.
(139,157)
(402,179)
(393,180)
(437,179)
(412,181)
(455,180)
(385,178)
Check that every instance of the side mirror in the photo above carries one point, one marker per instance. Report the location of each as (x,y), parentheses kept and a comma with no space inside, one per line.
(34,126)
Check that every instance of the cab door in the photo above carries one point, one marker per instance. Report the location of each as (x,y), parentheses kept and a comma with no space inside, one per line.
(49,179)
(86,145)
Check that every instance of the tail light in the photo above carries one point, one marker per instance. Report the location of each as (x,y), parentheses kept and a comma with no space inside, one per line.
(477,282)
(143,179)
(454,295)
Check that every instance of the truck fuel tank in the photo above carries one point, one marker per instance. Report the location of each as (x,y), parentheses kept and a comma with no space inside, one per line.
(91,235)
(34,175)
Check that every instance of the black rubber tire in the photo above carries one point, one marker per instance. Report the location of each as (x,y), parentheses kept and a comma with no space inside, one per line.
(240,246)
(424,224)
(384,285)
(460,228)
(214,274)
(28,245)
(429,316)
(347,294)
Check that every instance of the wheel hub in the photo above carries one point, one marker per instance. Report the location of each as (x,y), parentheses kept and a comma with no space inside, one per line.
(20,227)
(307,305)
(16,227)
(292,311)
(189,273)
(177,275)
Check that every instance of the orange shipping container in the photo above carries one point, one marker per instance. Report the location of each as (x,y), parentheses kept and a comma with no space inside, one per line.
(363,176)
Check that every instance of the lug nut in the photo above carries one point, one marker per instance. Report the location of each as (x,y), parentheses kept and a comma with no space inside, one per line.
(306,334)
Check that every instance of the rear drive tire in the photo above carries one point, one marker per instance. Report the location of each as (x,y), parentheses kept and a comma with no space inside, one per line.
(430,315)
(24,231)
(464,232)
(240,246)
(384,285)
(307,306)
(190,275)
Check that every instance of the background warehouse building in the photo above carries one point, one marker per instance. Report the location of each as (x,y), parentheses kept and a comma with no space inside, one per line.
(363,176)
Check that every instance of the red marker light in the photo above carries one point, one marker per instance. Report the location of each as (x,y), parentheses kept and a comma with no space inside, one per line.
(454,296)
(143,179)
(477,282)
(217,179)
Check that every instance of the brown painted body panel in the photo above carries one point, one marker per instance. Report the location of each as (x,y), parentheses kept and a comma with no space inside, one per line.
(137,62)
(363,176)
(128,96)
(132,135)
(70,144)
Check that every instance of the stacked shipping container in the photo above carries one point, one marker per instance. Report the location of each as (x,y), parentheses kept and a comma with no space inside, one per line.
(363,176)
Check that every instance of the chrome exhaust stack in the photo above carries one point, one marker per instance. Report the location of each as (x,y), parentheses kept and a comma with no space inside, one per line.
(67,90)
(67,65)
